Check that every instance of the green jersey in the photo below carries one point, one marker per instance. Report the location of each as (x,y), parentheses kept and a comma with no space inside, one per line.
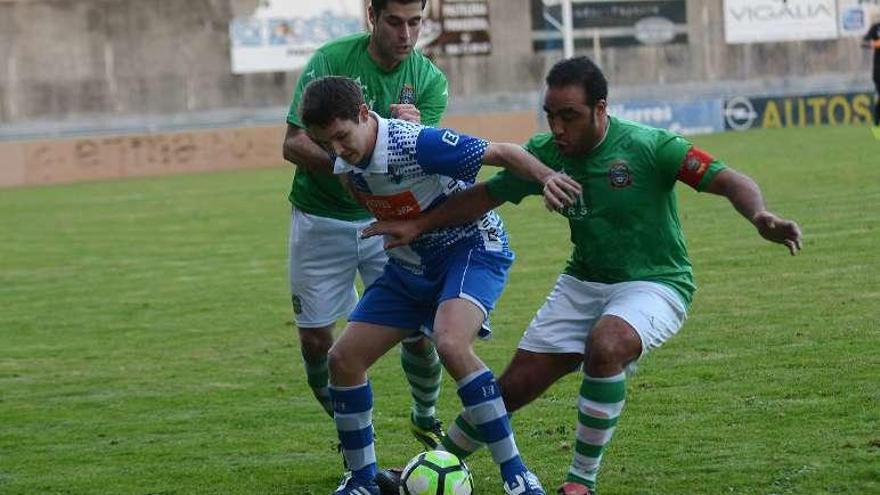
(416,81)
(625,226)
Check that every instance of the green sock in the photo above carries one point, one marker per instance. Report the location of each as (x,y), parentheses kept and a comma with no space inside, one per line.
(318,377)
(599,406)
(462,438)
(423,372)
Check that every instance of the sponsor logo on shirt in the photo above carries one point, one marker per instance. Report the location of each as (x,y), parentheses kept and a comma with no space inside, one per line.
(401,206)
(578,211)
(619,174)
(450,138)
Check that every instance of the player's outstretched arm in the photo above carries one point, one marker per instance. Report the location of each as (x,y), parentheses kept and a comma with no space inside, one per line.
(745,195)
(560,190)
(300,150)
(460,208)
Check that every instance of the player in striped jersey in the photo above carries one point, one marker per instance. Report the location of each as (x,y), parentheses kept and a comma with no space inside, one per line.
(445,282)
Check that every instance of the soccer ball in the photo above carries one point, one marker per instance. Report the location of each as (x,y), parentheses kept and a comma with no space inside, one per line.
(436,473)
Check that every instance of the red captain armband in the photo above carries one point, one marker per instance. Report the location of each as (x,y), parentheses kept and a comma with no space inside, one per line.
(694,166)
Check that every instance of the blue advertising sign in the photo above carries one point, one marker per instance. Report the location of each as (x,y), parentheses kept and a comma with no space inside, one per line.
(683,117)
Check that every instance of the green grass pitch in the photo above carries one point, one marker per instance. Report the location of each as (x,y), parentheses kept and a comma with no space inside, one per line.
(146,348)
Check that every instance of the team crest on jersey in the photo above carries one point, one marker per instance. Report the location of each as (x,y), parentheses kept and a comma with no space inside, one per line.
(399,173)
(407,95)
(619,174)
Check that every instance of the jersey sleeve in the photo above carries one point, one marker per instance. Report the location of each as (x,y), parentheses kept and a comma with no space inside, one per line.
(508,187)
(317,67)
(445,152)
(432,102)
(679,160)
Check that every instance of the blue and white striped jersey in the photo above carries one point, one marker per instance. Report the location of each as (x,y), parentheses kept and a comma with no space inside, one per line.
(414,169)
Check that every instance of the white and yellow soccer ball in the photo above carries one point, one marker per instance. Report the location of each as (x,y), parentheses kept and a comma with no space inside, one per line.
(436,473)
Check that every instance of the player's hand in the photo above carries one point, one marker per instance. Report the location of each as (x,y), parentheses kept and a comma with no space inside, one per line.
(406,111)
(397,232)
(779,230)
(560,191)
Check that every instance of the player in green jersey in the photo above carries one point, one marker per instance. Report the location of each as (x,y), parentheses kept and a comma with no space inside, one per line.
(628,284)
(325,246)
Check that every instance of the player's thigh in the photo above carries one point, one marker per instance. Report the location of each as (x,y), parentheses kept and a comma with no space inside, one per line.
(565,320)
(456,324)
(362,344)
(397,299)
(323,260)
(477,276)
(654,310)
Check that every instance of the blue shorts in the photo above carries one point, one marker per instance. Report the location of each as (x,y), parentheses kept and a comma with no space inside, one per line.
(402,299)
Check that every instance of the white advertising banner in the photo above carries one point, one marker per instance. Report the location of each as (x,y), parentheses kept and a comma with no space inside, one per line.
(856,16)
(281,35)
(757,21)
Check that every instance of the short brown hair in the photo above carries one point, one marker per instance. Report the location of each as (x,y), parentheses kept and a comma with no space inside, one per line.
(329,98)
(380,5)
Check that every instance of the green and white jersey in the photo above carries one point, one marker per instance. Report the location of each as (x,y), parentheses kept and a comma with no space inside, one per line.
(625,227)
(416,81)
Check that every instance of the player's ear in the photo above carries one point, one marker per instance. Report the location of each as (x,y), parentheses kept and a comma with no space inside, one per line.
(601,107)
(371,15)
(363,113)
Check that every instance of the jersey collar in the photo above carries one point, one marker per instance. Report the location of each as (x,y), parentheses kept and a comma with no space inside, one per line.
(378,163)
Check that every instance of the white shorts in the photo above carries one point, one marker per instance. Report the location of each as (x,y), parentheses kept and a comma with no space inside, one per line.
(565,321)
(325,253)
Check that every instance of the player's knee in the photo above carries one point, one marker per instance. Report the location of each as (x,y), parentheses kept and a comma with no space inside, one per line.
(343,362)
(315,343)
(447,348)
(613,345)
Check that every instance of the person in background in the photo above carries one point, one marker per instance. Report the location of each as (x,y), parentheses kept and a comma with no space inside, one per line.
(325,249)
(872,41)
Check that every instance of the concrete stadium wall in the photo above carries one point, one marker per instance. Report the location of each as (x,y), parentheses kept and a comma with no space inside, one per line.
(84,59)
(57,161)
(135,78)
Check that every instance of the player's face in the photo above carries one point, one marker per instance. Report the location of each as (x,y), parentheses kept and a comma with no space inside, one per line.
(396,30)
(345,138)
(576,126)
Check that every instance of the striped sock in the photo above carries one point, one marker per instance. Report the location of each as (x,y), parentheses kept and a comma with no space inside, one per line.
(353,408)
(423,372)
(462,438)
(599,406)
(483,405)
(318,377)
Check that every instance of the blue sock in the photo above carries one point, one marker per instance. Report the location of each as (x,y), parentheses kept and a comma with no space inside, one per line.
(482,400)
(353,414)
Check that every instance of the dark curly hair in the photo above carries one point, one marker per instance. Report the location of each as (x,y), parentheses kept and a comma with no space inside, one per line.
(579,71)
